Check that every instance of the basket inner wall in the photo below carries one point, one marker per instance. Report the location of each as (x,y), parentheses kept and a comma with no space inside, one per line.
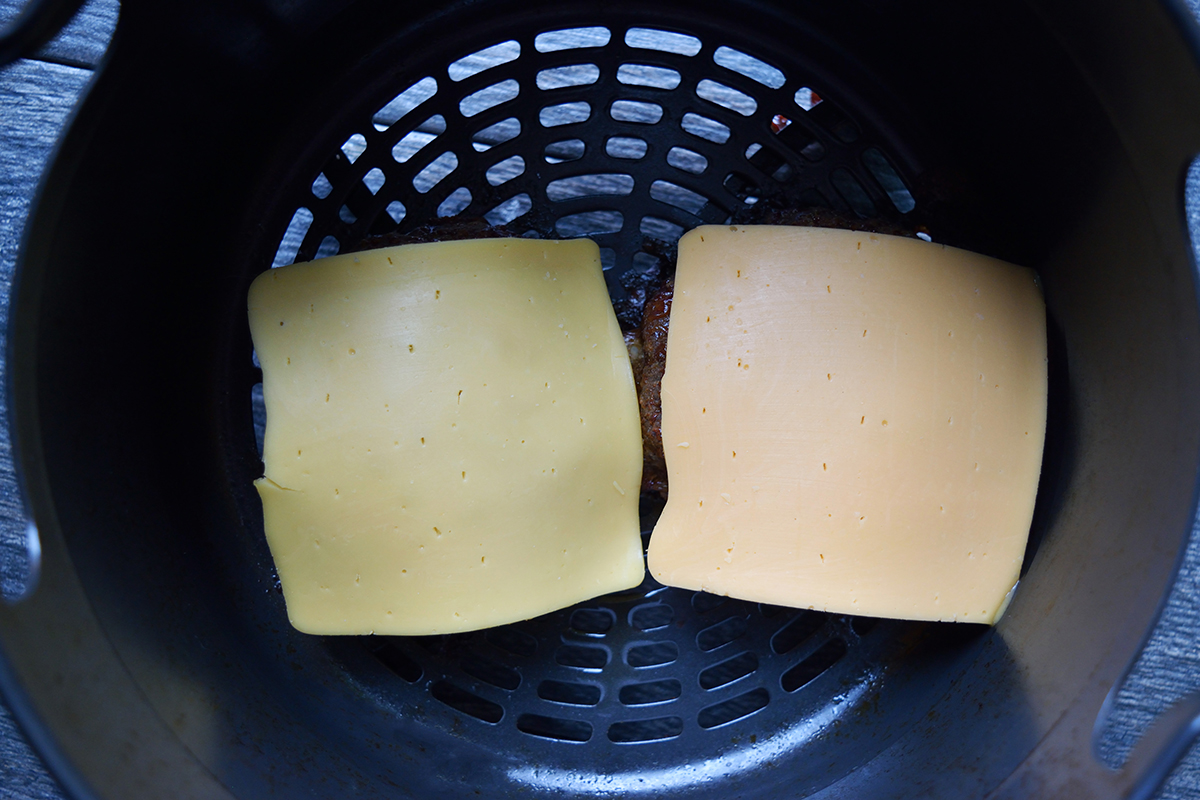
(657,689)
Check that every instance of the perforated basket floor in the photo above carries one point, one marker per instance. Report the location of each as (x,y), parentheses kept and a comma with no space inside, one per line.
(630,129)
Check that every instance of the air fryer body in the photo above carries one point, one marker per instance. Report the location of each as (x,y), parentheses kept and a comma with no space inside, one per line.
(154,659)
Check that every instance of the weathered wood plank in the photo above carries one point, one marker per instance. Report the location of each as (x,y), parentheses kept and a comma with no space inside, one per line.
(35,99)
(83,41)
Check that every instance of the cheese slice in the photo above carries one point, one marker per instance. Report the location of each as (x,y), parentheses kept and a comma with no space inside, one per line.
(452,440)
(852,423)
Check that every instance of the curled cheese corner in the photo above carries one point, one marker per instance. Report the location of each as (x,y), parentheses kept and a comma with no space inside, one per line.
(1004,603)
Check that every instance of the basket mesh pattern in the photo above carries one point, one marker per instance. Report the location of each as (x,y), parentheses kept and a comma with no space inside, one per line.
(629,135)
(594,131)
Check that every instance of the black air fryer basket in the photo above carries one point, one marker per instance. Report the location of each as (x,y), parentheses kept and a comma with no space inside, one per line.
(154,658)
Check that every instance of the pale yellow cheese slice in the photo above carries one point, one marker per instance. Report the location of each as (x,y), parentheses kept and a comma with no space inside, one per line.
(452,438)
(852,423)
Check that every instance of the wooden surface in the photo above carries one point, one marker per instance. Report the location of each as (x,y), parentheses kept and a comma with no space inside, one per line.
(36,98)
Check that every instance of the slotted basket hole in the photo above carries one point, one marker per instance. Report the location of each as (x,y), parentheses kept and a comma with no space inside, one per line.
(568,76)
(467,703)
(455,203)
(570,693)
(489,97)
(484,59)
(563,151)
(400,105)
(374,180)
(491,672)
(721,634)
(650,692)
(733,709)
(321,187)
(564,114)
(814,151)
(608,258)
(703,602)
(889,180)
(728,671)
(655,654)
(513,641)
(571,39)
(648,76)
(593,621)
(504,171)
(705,128)
(740,185)
(415,140)
(863,625)
(652,617)
(675,195)
(496,134)
(589,223)
(765,159)
(687,160)
(636,111)
(797,137)
(647,265)
(581,656)
(626,147)
(293,237)
(753,68)
(789,637)
(806,98)
(596,185)
(258,413)
(509,210)
(726,97)
(435,172)
(347,216)
(853,193)
(399,662)
(660,229)
(563,730)
(329,247)
(645,730)
(396,211)
(837,122)
(354,147)
(814,666)
(664,41)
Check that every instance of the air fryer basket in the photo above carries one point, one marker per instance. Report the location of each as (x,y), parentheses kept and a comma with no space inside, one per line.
(155,659)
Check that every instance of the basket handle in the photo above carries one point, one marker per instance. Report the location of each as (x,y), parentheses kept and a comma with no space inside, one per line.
(37,24)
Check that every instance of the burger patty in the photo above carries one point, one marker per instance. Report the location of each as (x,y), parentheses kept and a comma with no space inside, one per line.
(652,339)
(450,229)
